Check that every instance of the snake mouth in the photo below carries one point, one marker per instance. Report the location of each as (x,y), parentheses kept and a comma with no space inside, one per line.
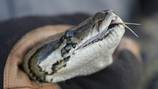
(99,36)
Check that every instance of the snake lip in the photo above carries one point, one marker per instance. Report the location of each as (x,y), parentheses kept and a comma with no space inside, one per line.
(100,35)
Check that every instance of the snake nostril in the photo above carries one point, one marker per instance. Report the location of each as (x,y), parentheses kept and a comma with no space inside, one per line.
(99,17)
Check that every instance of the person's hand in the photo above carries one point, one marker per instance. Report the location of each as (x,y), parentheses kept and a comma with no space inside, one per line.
(14,77)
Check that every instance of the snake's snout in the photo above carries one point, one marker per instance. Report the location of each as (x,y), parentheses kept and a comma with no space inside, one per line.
(100,16)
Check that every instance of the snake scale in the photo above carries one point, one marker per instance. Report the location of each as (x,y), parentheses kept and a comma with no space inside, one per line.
(81,50)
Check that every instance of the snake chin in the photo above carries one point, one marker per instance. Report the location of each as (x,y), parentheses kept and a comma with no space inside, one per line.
(90,59)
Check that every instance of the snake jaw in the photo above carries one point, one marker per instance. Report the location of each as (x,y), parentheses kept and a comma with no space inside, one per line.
(101,29)
(83,50)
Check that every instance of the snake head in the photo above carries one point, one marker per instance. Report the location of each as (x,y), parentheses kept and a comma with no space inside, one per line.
(80,51)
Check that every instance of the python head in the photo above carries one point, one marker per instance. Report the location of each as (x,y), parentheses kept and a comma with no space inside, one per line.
(81,50)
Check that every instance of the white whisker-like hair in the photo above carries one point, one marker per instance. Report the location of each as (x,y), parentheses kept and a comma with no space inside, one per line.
(127,27)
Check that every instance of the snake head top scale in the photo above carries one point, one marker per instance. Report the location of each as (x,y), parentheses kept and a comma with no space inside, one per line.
(81,50)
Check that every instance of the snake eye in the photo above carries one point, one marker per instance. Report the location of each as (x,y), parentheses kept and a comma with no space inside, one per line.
(69,34)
